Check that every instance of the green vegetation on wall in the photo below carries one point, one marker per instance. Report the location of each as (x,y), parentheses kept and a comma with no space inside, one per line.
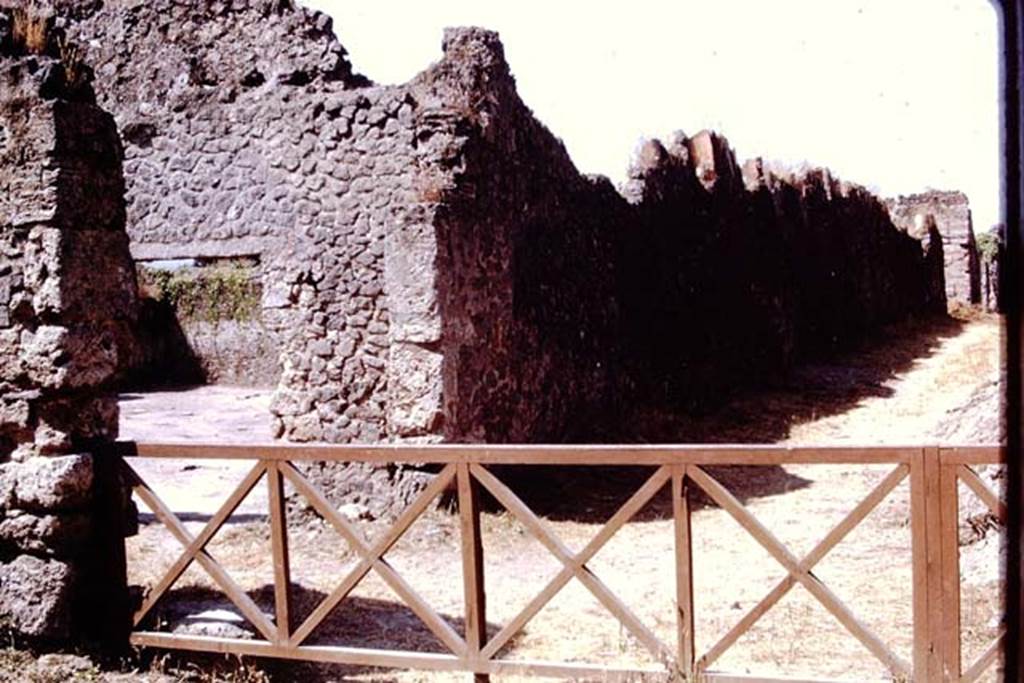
(989,244)
(225,291)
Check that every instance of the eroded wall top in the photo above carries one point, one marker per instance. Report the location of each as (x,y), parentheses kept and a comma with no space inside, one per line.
(951,212)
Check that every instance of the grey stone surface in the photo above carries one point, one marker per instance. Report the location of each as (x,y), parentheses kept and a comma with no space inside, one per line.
(67,314)
(951,212)
(36,596)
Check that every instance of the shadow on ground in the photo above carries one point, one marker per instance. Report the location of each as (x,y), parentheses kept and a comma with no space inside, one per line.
(816,389)
(356,622)
(758,415)
(593,494)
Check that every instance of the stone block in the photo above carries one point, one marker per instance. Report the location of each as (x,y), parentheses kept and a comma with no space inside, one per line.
(415,393)
(52,483)
(36,596)
(62,535)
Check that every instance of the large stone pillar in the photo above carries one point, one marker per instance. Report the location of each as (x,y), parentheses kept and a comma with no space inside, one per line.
(67,300)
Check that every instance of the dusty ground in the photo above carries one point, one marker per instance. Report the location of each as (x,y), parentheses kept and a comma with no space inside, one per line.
(207,414)
(914,384)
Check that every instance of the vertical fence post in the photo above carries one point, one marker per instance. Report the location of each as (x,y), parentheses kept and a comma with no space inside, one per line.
(926,540)
(472,567)
(279,548)
(950,543)
(684,572)
(106,606)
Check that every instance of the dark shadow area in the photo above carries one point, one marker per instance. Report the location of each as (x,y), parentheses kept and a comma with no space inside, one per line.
(162,356)
(818,388)
(357,622)
(237,518)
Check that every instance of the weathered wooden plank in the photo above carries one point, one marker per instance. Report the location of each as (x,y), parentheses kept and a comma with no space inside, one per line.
(949,571)
(933,568)
(983,454)
(388,658)
(685,651)
(924,652)
(279,550)
(429,661)
(523,454)
(474,596)
(314,653)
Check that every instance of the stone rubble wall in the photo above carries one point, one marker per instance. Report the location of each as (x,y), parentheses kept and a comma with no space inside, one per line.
(952,214)
(67,306)
(736,273)
(231,116)
(434,266)
(527,269)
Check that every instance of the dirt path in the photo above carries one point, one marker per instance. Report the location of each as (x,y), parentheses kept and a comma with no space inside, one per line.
(207,414)
(922,399)
(906,388)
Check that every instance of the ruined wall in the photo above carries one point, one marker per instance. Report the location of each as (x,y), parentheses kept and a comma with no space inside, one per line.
(527,269)
(67,301)
(952,213)
(433,265)
(563,304)
(231,141)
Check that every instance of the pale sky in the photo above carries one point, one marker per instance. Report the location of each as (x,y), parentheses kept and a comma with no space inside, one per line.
(897,95)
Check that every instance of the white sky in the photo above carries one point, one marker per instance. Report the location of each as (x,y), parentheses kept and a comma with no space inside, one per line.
(898,95)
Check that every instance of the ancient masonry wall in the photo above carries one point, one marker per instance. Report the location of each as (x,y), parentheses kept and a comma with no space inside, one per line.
(433,265)
(231,116)
(733,274)
(952,214)
(67,301)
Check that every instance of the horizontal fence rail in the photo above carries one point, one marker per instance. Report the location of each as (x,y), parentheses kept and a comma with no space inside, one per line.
(934,474)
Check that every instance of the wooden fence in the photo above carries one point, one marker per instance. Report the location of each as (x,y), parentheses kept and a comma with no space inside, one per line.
(934,474)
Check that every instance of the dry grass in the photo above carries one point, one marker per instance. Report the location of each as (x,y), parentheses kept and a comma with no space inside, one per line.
(30,30)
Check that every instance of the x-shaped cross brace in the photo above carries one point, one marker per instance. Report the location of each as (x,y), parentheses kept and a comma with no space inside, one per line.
(372,558)
(574,564)
(195,548)
(800,570)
